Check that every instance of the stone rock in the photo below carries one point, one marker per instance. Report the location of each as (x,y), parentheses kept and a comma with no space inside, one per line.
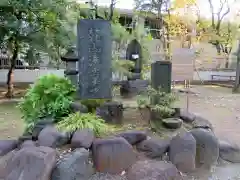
(177,112)
(133,87)
(28,143)
(4,161)
(78,107)
(182,151)
(31,163)
(74,165)
(172,123)
(82,138)
(125,89)
(201,122)
(111,112)
(154,147)
(51,137)
(106,176)
(138,86)
(145,114)
(207,151)
(112,155)
(25,136)
(133,136)
(7,145)
(186,116)
(229,151)
(134,76)
(153,170)
(40,125)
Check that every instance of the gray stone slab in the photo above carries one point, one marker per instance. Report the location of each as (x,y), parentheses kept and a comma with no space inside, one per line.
(95,54)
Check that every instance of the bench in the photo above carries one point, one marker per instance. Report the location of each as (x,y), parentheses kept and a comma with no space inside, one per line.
(229,77)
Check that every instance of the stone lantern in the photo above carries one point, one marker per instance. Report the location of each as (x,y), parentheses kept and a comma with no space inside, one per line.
(71,60)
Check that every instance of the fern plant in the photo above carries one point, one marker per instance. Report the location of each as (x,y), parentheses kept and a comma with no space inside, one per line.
(50,96)
(79,121)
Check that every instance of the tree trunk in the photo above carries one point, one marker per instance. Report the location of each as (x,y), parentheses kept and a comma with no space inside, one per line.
(168,45)
(237,80)
(227,62)
(236,85)
(9,93)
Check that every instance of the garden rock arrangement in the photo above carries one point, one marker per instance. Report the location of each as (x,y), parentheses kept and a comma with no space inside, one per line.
(128,155)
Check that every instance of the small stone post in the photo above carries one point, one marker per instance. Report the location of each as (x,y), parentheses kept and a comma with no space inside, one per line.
(161,75)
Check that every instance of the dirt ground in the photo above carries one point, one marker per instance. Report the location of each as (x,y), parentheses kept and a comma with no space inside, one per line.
(11,125)
(220,107)
(18,92)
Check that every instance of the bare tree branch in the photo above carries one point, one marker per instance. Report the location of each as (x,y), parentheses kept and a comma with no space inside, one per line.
(222,3)
(221,17)
(226,12)
(112,6)
(212,11)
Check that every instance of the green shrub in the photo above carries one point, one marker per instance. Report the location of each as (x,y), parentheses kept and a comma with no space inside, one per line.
(158,101)
(143,101)
(92,104)
(78,121)
(50,96)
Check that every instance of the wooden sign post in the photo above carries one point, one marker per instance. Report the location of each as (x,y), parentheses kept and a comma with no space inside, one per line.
(187,87)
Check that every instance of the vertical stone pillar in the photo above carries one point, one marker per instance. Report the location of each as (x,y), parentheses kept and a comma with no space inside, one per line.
(161,75)
(94,47)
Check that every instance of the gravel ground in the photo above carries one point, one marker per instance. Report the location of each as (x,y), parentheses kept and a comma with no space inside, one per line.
(220,107)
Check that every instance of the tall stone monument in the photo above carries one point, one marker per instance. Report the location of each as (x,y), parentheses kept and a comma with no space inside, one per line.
(94,49)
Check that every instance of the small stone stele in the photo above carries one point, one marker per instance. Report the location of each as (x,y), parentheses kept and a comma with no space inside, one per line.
(113,155)
(111,112)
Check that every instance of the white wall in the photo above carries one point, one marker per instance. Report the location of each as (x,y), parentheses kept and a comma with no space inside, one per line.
(29,76)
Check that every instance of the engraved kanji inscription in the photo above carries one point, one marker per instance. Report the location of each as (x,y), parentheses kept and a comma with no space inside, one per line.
(94,47)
